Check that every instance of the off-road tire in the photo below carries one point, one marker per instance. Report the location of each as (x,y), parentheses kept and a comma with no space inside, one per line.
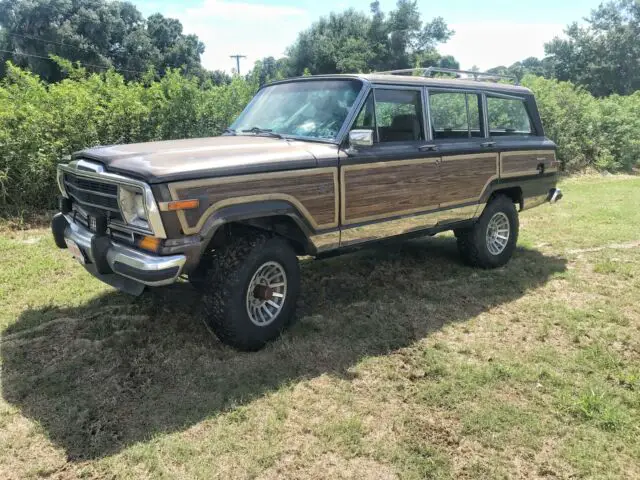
(472,242)
(228,276)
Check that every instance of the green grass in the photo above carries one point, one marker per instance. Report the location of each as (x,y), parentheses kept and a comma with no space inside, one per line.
(404,363)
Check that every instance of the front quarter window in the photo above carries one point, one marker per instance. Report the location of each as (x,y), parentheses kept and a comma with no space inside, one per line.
(309,108)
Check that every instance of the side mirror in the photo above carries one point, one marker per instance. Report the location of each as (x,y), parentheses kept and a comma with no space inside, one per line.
(360,138)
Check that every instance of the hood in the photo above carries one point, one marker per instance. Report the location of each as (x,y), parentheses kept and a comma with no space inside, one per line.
(175,160)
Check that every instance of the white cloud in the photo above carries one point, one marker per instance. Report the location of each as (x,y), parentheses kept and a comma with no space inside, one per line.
(251,29)
(488,45)
(241,10)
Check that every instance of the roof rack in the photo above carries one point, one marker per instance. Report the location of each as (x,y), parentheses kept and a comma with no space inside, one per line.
(428,71)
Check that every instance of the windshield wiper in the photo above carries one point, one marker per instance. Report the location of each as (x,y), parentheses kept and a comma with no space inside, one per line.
(230,131)
(262,131)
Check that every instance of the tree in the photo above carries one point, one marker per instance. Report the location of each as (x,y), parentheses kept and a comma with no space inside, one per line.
(531,65)
(604,55)
(409,38)
(352,41)
(94,32)
(269,69)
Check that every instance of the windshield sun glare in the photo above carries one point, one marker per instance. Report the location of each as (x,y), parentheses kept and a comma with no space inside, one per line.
(311,108)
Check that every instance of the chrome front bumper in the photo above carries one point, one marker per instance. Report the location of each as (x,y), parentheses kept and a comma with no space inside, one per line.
(106,258)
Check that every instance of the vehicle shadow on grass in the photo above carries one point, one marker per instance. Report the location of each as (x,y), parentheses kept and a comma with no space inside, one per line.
(120,370)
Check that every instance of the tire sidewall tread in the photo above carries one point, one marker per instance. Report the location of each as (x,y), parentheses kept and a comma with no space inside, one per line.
(472,243)
(227,281)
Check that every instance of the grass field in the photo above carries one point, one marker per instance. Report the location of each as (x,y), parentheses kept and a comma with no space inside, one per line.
(403,363)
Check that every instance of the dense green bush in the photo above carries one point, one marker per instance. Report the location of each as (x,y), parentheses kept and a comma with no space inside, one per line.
(40,124)
(603,133)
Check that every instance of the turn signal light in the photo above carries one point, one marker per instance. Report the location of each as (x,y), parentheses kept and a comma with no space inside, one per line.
(183,205)
(149,243)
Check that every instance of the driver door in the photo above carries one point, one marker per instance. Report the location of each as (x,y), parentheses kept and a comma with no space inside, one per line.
(391,187)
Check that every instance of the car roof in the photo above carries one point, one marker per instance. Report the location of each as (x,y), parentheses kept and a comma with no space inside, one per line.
(380,78)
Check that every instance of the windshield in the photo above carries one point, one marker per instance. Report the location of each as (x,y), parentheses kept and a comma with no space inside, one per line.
(312,108)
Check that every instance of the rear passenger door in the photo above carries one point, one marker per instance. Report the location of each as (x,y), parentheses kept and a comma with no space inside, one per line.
(469,160)
(396,177)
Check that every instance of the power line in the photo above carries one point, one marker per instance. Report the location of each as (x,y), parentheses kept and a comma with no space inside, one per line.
(53,42)
(82,64)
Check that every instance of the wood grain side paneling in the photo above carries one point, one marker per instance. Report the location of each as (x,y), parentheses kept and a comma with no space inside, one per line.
(313,192)
(464,177)
(384,189)
(526,162)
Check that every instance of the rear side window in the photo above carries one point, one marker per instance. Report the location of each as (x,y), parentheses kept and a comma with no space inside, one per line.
(455,115)
(508,117)
(399,115)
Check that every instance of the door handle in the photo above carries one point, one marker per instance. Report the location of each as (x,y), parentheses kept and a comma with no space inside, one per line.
(431,148)
(488,144)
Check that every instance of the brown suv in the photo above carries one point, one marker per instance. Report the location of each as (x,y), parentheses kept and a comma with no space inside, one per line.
(313,165)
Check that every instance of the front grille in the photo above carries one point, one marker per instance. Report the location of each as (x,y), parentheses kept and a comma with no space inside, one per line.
(99,198)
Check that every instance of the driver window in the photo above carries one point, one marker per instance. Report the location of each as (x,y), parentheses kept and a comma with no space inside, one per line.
(398,114)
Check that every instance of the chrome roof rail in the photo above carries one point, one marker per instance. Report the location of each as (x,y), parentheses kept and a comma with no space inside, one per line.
(469,74)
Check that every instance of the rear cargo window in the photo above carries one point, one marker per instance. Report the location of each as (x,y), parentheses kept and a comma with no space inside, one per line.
(508,117)
(455,115)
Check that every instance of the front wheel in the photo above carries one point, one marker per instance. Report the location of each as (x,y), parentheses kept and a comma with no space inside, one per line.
(490,243)
(250,290)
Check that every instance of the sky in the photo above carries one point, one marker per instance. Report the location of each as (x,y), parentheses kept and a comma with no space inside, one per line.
(488,33)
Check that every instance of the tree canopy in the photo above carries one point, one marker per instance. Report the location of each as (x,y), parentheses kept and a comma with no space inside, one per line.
(95,33)
(353,41)
(603,55)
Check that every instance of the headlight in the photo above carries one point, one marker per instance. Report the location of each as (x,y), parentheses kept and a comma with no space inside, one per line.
(60,180)
(132,206)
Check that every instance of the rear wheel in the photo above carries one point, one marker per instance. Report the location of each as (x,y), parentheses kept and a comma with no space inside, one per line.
(491,241)
(250,290)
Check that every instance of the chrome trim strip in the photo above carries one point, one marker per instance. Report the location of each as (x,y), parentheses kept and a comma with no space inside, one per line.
(427,112)
(86,165)
(413,223)
(127,255)
(325,241)
(485,117)
(61,184)
(153,213)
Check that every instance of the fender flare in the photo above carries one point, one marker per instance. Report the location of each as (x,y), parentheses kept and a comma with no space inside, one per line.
(253,210)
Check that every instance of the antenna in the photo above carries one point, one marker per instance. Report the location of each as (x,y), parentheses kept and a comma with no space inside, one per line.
(237,57)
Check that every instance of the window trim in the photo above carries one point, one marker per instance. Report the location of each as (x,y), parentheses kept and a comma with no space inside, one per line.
(343,133)
(482,115)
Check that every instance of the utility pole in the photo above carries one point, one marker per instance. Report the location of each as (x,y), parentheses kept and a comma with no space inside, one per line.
(237,57)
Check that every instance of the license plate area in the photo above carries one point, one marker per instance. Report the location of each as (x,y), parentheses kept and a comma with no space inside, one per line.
(76,251)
